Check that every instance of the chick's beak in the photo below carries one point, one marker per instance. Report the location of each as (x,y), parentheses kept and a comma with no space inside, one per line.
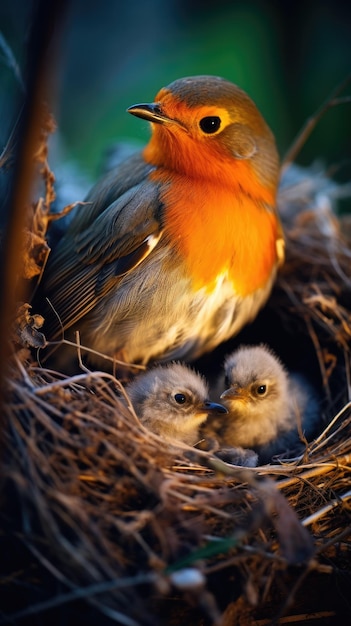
(234,393)
(213,407)
(152,112)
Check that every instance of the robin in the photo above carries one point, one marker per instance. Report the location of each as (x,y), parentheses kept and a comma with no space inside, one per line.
(172,401)
(178,247)
(268,407)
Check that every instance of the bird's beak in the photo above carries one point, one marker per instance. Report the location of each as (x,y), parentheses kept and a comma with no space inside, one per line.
(213,407)
(152,112)
(234,393)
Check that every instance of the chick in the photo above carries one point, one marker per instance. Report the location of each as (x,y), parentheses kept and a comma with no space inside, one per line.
(266,404)
(171,401)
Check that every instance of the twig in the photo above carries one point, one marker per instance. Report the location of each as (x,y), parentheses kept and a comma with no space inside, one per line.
(73,380)
(311,519)
(321,439)
(319,353)
(312,122)
(304,476)
(101,355)
(84,593)
(79,353)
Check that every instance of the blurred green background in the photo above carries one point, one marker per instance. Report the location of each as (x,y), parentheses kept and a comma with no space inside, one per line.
(287,55)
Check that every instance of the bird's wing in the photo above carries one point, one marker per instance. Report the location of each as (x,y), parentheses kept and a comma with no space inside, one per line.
(103,246)
(109,188)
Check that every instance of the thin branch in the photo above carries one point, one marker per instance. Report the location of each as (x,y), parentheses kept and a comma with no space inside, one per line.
(82,593)
(311,519)
(312,122)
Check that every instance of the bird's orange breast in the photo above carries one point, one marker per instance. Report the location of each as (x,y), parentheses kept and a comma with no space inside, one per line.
(221,230)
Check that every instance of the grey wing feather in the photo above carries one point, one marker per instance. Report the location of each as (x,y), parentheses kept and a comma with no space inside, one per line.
(109,188)
(100,247)
(121,227)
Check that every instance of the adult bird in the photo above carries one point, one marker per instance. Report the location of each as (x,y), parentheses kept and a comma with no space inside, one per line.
(178,248)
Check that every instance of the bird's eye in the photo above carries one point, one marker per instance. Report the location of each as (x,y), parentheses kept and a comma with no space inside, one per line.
(261,390)
(210,124)
(180,398)
(227,381)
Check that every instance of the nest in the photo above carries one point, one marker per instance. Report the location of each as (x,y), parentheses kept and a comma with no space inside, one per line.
(104,523)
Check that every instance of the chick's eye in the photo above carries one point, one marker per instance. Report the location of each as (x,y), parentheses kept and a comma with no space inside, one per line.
(210,124)
(180,398)
(261,390)
(227,380)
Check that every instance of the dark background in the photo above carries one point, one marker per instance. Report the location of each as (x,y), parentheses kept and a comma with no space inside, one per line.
(288,55)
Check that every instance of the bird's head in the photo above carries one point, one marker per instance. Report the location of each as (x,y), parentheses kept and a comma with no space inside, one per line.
(173,401)
(256,384)
(205,125)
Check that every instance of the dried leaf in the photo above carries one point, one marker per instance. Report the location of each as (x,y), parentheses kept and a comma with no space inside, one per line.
(27,328)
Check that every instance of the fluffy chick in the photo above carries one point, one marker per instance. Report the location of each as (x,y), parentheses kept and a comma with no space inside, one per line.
(172,401)
(266,404)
